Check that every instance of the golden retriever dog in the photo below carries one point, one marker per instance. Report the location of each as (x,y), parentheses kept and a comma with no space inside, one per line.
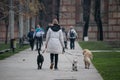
(87,58)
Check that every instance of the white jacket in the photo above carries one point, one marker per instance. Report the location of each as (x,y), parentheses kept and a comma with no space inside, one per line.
(54,41)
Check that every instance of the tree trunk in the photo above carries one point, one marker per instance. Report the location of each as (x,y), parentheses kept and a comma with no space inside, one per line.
(20,25)
(98,19)
(33,22)
(28,18)
(11,20)
(20,22)
(11,23)
(28,24)
(86,16)
(6,25)
(33,18)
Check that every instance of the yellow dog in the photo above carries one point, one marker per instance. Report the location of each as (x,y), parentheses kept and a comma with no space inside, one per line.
(87,58)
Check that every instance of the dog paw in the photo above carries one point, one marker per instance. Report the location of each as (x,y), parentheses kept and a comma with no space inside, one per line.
(86,67)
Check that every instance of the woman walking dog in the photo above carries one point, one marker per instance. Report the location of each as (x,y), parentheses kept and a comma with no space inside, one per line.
(54,43)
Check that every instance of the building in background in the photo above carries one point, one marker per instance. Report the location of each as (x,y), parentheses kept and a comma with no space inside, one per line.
(70,13)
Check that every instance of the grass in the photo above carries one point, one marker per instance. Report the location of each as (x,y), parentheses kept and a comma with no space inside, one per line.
(4,46)
(107,63)
(10,53)
(97,45)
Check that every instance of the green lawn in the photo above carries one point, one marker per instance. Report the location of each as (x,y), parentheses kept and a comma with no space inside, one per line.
(107,63)
(4,46)
(97,45)
(10,53)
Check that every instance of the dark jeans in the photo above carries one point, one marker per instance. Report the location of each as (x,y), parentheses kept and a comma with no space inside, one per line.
(72,43)
(39,42)
(55,58)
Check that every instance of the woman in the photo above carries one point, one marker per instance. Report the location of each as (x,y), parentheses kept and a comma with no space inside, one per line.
(54,43)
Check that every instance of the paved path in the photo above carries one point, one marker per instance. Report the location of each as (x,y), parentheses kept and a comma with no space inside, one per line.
(23,66)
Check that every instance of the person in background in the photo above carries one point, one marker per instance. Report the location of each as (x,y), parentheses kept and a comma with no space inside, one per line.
(65,37)
(39,32)
(72,35)
(31,38)
(54,43)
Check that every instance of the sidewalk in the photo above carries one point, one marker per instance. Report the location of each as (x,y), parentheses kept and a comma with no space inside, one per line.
(23,66)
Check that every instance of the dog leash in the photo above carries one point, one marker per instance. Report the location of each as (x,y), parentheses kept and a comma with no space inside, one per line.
(72,54)
(69,59)
(44,50)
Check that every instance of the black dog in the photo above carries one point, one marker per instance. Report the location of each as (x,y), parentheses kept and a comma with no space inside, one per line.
(40,60)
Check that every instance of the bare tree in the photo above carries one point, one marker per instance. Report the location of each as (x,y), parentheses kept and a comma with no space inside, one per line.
(4,16)
(86,16)
(97,16)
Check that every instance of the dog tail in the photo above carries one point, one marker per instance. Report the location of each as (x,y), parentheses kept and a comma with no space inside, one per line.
(91,56)
(87,60)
